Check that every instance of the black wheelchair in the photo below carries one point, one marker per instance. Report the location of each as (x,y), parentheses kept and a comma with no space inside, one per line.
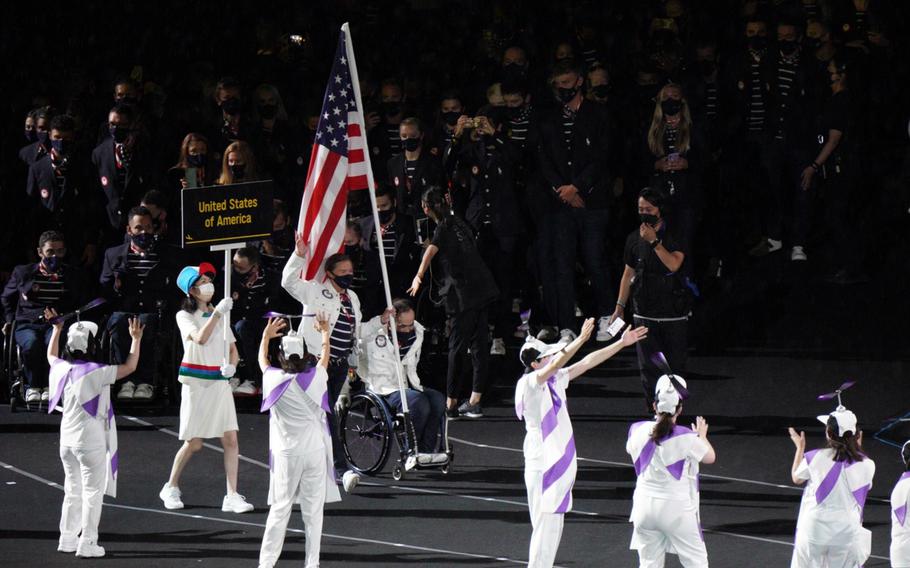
(367,428)
(13,372)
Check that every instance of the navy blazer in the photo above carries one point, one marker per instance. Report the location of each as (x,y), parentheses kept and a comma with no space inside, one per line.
(139,295)
(17,302)
(70,207)
(120,199)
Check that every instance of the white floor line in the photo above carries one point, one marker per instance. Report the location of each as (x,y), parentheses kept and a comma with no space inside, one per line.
(56,485)
(521,504)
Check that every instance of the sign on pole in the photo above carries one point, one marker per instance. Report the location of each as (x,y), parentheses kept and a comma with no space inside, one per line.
(223,214)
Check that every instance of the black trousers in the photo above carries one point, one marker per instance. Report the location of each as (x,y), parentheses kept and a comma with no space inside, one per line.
(668,337)
(338,374)
(469,331)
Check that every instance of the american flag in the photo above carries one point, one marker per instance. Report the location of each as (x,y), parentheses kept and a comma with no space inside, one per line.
(338,162)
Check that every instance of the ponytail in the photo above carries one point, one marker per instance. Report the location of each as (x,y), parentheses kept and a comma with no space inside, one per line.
(846,447)
(663,428)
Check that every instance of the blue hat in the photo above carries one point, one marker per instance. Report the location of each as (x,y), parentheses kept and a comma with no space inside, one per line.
(190,274)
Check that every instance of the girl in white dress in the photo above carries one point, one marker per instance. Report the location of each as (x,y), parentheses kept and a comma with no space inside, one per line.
(900,527)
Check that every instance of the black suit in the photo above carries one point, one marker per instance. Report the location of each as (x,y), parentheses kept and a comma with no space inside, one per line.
(121,195)
(427,172)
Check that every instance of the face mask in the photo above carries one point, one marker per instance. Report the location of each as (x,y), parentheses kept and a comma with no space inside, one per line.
(758,42)
(353,251)
(127,100)
(706,67)
(671,107)
(51,263)
(787,47)
(450,118)
(237,170)
(344,282)
(268,111)
(647,219)
(513,113)
(391,108)
(42,137)
(196,160)
(386,216)
(31,136)
(601,91)
(60,146)
(119,133)
(206,291)
(411,144)
(513,70)
(143,240)
(231,106)
(279,237)
(566,95)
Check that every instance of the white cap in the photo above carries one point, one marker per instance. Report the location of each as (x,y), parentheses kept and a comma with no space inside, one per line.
(292,344)
(543,349)
(846,420)
(80,334)
(666,394)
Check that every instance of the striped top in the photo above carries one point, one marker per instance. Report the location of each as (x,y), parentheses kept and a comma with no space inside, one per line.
(518,128)
(786,76)
(711,100)
(756,117)
(48,289)
(405,342)
(410,168)
(141,264)
(394,137)
(342,339)
(568,127)
(389,240)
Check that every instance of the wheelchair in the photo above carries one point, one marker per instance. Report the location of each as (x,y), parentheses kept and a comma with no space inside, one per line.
(13,375)
(368,426)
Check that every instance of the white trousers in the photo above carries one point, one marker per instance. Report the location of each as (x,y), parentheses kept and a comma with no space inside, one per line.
(295,479)
(546,527)
(662,526)
(808,555)
(83,491)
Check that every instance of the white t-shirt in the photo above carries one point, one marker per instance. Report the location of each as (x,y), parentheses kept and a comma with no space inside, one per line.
(656,480)
(78,429)
(297,424)
(532,397)
(836,518)
(209,354)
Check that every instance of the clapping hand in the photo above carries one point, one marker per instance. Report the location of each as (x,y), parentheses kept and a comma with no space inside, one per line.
(632,336)
(799,440)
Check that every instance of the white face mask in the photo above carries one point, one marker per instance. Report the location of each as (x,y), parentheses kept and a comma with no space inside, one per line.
(206,291)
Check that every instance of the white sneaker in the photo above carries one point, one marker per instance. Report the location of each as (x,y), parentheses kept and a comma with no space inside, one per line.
(171,497)
(89,549)
(578,312)
(234,382)
(349,480)
(498,347)
(144,391)
(432,458)
(798,254)
(127,390)
(32,395)
(68,544)
(45,395)
(774,245)
(247,388)
(567,335)
(236,503)
(602,333)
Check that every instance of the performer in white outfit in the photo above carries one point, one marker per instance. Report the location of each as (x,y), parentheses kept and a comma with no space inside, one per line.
(88,433)
(829,530)
(549,446)
(666,457)
(900,527)
(206,402)
(300,448)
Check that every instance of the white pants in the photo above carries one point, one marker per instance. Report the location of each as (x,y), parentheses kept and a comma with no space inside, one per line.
(808,555)
(546,527)
(662,526)
(295,479)
(83,491)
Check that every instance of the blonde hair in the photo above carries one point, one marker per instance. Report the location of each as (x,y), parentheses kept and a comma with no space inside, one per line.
(246,153)
(658,125)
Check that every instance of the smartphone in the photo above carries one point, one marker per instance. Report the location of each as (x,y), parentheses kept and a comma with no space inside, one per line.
(615,327)
(192,177)
(673,157)
(423,230)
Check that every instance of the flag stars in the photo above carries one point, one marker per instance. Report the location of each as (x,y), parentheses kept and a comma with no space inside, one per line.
(338,79)
(325,115)
(334,142)
(336,111)
(344,61)
(331,97)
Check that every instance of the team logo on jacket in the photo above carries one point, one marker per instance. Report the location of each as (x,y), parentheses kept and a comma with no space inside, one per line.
(475,170)
(397,181)
(45,193)
(381,341)
(327,294)
(104,181)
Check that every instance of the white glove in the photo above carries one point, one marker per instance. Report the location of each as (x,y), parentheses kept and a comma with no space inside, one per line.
(343,402)
(228,371)
(224,306)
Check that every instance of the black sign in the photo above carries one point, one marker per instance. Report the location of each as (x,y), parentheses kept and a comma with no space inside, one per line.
(223,214)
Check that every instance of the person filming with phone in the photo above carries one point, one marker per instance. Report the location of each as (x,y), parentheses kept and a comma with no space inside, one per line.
(655,255)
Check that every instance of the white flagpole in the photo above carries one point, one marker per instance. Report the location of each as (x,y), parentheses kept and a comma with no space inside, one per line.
(355,84)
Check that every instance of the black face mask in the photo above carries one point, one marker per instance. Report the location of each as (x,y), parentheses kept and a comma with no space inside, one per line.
(386,215)
(391,108)
(411,144)
(42,137)
(513,70)
(280,238)
(60,146)
(757,42)
(51,263)
(127,100)
(450,118)
(145,241)
(513,113)
(706,67)
(196,160)
(268,111)
(787,47)
(231,106)
(601,91)
(344,282)
(647,219)
(566,95)
(671,107)
(237,171)
(353,251)
(31,136)
(119,133)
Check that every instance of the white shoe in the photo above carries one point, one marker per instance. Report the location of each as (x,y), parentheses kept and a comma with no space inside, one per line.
(247,388)
(432,458)
(349,480)
(127,390)
(171,497)
(602,325)
(578,312)
(32,395)
(498,347)
(234,382)
(45,395)
(89,549)
(68,544)
(236,503)
(798,254)
(144,391)
(774,245)
(567,335)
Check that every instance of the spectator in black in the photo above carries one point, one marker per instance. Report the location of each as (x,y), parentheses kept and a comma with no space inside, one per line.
(238,164)
(383,133)
(127,92)
(250,291)
(413,170)
(491,209)
(451,108)
(122,166)
(49,283)
(399,240)
(278,148)
(469,290)
(61,197)
(135,279)
(228,125)
(574,139)
(38,136)
(274,253)
(362,283)
(654,260)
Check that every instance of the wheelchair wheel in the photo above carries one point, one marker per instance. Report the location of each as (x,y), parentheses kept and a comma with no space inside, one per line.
(398,472)
(366,433)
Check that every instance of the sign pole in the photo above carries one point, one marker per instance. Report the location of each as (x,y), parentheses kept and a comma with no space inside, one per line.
(228,253)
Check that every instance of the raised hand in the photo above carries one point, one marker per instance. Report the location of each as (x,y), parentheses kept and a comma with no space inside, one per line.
(51,313)
(799,440)
(301,247)
(321,323)
(587,328)
(633,336)
(136,329)
(274,328)
(700,427)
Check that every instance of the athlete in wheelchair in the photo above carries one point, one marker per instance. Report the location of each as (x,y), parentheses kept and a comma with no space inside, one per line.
(371,418)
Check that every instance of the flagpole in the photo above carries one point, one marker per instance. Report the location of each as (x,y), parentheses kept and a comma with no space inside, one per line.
(355,84)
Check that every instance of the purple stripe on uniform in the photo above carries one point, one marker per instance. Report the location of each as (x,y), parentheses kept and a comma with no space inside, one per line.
(92,406)
(827,484)
(115,463)
(701,534)
(644,458)
(274,395)
(556,471)
(676,469)
(906,475)
(861,494)
(520,409)
(305,379)
(549,422)
(564,506)
(809,455)
(325,402)
(901,514)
